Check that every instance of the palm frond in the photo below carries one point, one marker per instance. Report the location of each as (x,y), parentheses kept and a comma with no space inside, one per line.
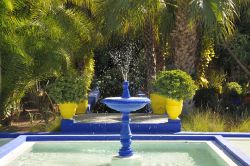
(217,16)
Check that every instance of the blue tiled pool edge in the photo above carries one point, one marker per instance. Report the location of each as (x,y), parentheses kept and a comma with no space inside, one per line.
(238,156)
(235,154)
(172,126)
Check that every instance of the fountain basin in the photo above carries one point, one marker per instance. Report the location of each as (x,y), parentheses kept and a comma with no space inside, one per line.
(99,149)
(100,153)
(126,105)
(4,141)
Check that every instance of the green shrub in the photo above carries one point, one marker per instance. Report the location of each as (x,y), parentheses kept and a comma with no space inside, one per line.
(233,88)
(216,79)
(206,97)
(175,84)
(69,88)
(89,70)
(244,126)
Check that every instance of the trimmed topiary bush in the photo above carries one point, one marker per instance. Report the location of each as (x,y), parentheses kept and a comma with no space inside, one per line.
(68,89)
(175,84)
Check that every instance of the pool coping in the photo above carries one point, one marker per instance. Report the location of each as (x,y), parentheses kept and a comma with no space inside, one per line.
(187,136)
(223,134)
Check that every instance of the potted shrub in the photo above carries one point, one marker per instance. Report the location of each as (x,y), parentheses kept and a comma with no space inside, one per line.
(176,86)
(67,92)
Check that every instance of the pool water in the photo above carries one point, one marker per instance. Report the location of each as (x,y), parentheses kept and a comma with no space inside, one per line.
(4,141)
(102,153)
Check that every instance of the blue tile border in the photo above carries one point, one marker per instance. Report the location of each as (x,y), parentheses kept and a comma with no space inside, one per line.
(172,126)
(237,155)
(117,137)
(224,134)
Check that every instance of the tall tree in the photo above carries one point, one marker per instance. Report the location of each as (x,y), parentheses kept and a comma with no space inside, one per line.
(136,18)
(214,18)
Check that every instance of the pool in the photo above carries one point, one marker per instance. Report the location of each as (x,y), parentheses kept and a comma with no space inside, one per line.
(4,141)
(100,150)
(101,153)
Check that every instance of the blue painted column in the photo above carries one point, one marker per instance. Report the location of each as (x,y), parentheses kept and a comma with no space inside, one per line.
(125,134)
(125,137)
(125,92)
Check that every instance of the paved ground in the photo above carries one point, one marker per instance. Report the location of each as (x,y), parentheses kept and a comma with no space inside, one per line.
(242,145)
(116,117)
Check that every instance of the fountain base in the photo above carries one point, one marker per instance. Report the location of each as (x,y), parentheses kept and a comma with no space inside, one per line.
(110,124)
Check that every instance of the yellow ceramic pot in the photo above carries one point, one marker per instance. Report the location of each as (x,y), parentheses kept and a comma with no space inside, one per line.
(158,103)
(67,110)
(174,108)
(82,107)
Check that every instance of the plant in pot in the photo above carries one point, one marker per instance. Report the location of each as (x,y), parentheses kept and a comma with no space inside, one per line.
(67,92)
(176,86)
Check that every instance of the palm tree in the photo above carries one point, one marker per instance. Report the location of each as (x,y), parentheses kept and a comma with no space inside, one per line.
(14,59)
(213,18)
(39,40)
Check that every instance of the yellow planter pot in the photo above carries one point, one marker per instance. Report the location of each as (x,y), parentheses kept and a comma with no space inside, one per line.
(174,108)
(82,107)
(67,110)
(158,103)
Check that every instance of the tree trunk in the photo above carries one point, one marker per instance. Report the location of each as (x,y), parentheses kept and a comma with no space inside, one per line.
(160,58)
(184,40)
(149,49)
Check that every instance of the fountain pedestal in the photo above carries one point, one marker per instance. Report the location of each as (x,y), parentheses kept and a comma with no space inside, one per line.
(125,105)
(125,137)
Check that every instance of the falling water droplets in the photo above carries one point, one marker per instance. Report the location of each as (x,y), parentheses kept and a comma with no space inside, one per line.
(122,58)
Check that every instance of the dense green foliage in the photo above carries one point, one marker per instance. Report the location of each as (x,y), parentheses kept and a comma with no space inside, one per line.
(40,40)
(233,88)
(206,97)
(68,89)
(175,84)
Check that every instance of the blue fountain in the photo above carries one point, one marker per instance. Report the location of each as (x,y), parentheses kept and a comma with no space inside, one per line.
(125,105)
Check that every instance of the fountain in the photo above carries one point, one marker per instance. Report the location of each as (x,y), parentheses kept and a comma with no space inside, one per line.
(125,104)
